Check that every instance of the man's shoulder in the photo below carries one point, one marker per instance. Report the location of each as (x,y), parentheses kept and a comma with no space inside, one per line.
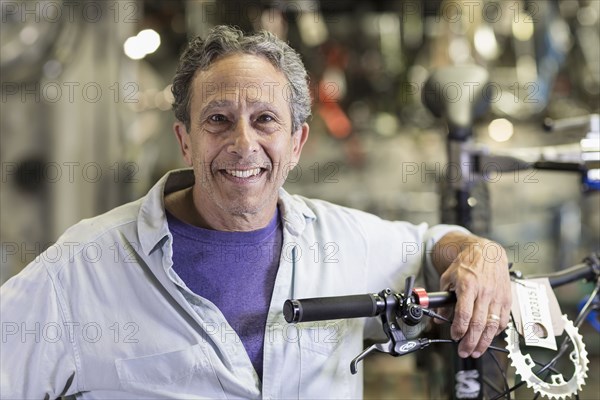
(324,211)
(326,207)
(343,219)
(91,237)
(149,208)
(114,219)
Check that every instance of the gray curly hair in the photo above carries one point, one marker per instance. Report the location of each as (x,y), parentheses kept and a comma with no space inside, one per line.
(225,40)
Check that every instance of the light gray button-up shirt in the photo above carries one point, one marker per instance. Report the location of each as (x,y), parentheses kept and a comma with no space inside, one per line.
(101,314)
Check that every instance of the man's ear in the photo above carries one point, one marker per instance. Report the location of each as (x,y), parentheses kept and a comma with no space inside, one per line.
(298,139)
(183,138)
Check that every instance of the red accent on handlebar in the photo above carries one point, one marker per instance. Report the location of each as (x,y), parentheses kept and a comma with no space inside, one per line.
(421,296)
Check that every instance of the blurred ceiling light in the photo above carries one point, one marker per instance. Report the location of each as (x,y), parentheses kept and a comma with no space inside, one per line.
(459,50)
(149,39)
(522,29)
(386,124)
(500,130)
(144,43)
(29,35)
(132,49)
(312,28)
(485,42)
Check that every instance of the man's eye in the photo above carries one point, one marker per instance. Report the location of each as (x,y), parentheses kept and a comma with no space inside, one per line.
(217,118)
(265,118)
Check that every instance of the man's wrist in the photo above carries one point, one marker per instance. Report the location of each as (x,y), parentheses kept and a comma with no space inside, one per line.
(448,248)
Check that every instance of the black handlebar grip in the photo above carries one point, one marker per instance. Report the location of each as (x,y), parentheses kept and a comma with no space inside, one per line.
(324,308)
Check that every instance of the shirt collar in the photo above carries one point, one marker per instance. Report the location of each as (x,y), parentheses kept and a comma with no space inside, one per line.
(295,213)
(152,221)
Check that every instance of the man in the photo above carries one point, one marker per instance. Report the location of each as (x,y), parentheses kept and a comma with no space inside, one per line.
(180,294)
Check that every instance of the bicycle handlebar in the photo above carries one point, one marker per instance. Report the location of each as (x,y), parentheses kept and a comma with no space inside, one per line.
(372,304)
(588,270)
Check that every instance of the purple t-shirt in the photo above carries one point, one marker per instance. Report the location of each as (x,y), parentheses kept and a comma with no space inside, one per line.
(234,270)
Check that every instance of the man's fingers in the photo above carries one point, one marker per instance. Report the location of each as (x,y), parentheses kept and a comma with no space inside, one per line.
(504,317)
(483,328)
(491,329)
(463,312)
(482,325)
(474,331)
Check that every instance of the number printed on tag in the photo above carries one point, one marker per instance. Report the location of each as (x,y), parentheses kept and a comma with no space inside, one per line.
(535,314)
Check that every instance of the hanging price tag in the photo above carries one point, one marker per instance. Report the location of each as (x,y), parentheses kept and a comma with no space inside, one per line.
(533,310)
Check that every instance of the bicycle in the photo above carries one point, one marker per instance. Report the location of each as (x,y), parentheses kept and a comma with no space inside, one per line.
(400,312)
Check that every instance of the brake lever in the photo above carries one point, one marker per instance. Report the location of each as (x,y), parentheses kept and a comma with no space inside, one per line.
(399,349)
(386,347)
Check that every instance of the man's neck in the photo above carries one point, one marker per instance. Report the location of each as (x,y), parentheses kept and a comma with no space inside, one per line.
(184,206)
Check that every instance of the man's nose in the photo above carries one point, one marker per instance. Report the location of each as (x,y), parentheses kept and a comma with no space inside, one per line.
(244,140)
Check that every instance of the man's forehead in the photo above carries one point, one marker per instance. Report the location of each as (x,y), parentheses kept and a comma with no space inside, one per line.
(241,77)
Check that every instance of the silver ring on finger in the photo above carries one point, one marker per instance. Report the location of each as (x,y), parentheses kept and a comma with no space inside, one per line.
(493,318)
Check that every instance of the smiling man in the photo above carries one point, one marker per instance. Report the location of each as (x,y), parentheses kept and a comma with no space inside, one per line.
(184,296)
(240,140)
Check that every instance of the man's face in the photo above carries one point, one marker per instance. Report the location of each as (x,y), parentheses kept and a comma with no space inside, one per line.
(240,143)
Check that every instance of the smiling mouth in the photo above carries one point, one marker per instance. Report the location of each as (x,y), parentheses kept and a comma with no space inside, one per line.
(244,173)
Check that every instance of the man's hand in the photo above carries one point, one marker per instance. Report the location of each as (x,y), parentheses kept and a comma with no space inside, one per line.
(477,270)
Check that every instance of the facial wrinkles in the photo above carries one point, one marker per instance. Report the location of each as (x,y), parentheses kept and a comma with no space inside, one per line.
(235,161)
(241,93)
(242,106)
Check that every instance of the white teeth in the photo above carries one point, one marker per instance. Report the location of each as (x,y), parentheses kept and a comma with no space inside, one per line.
(243,173)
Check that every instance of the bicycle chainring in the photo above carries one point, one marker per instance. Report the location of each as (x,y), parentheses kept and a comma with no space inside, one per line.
(557,387)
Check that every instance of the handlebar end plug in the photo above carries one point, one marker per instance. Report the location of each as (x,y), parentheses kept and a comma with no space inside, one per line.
(292,311)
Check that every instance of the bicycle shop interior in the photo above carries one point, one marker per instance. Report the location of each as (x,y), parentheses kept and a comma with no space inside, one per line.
(96,75)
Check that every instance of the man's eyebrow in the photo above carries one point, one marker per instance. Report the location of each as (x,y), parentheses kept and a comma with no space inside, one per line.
(217,103)
(212,105)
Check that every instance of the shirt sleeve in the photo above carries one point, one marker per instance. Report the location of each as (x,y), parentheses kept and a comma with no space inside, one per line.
(397,249)
(37,357)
